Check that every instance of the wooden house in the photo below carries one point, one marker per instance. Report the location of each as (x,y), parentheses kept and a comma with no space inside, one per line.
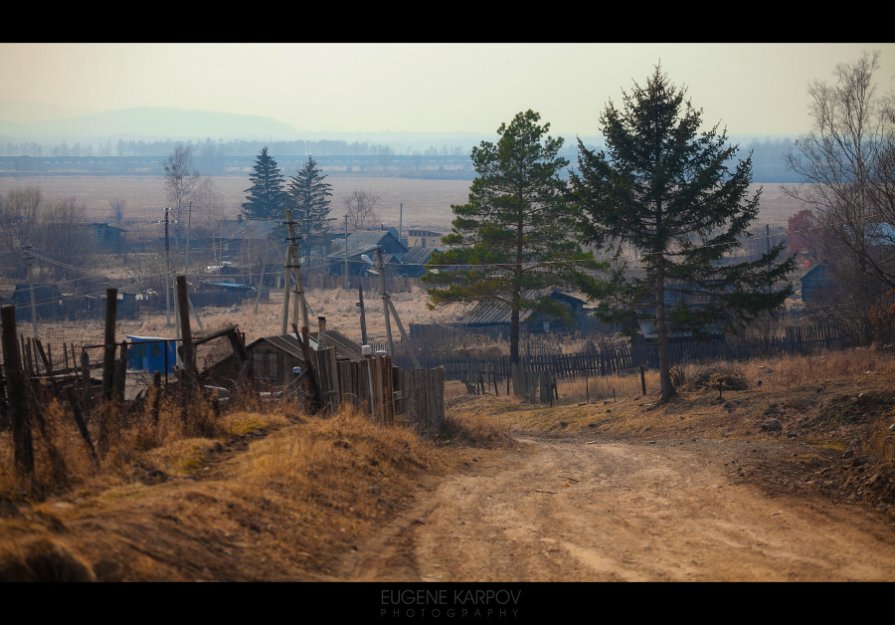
(423,238)
(365,242)
(495,316)
(273,358)
(815,283)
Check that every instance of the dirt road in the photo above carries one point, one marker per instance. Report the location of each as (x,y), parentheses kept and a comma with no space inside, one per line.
(592,511)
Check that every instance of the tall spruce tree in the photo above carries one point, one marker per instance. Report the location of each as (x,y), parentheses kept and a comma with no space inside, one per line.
(266,198)
(512,238)
(309,198)
(666,189)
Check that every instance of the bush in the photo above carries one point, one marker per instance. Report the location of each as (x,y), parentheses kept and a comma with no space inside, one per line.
(711,377)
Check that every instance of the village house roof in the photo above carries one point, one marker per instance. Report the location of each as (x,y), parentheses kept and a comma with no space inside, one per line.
(289,344)
(418,255)
(366,240)
(494,313)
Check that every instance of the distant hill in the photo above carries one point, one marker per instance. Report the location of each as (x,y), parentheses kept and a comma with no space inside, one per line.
(147,123)
(226,142)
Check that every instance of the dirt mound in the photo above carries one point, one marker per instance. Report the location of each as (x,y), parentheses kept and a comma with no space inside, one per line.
(861,408)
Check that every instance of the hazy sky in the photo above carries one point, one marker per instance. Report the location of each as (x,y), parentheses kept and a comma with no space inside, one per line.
(750,88)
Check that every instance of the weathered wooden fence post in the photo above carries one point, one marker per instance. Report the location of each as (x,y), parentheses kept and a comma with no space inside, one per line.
(121,373)
(109,346)
(187,354)
(15,390)
(187,350)
(82,426)
(317,401)
(85,375)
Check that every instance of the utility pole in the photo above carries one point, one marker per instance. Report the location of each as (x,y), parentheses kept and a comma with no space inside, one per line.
(767,238)
(168,278)
(294,266)
(346,252)
(387,306)
(186,264)
(189,219)
(26,254)
(401,223)
(284,326)
(385,302)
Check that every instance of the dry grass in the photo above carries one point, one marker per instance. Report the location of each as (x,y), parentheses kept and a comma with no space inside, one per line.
(881,442)
(801,371)
(183,457)
(243,423)
(337,305)
(41,559)
(136,444)
(821,397)
(600,388)
(284,509)
(785,372)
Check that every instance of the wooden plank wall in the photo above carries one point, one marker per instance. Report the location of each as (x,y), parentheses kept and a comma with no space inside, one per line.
(418,395)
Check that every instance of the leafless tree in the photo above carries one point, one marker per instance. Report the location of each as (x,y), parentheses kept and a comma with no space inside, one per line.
(64,236)
(209,211)
(20,213)
(117,205)
(209,206)
(360,207)
(181,179)
(849,158)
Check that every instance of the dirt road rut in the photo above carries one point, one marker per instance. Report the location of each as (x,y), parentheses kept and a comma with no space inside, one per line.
(580,511)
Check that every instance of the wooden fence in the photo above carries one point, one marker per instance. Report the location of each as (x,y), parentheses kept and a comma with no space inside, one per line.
(476,370)
(422,397)
(372,383)
(625,358)
(375,386)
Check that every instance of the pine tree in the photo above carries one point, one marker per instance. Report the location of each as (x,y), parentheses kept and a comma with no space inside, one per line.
(266,198)
(668,190)
(513,235)
(309,198)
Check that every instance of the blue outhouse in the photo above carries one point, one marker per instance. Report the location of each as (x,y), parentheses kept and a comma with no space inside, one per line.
(151,354)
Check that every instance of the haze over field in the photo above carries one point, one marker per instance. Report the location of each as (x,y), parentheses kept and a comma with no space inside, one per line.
(426,202)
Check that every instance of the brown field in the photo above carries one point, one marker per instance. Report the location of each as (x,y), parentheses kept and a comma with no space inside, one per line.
(426,202)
